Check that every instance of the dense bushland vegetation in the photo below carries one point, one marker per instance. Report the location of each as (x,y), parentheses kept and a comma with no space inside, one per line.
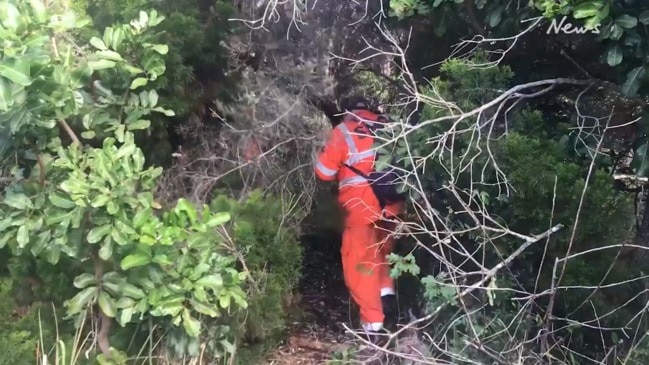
(525,150)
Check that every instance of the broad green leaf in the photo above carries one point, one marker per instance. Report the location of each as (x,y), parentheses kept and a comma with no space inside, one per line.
(204,309)
(239,297)
(155,18)
(126,149)
(139,124)
(155,67)
(227,345)
(218,219)
(141,217)
(59,201)
(109,55)
(6,223)
(586,9)
(101,64)
(107,38)
(9,15)
(98,43)
(41,243)
(81,300)
(107,304)
(135,260)
(111,207)
(125,302)
(616,32)
(117,38)
(213,281)
(626,21)
(160,48)
(38,10)
(198,241)
(6,237)
(133,70)
(54,253)
(224,300)
(6,99)
(143,18)
(18,201)
(100,201)
(84,280)
(614,56)
(96,234)
(184,205)
(138,82)
(633,81)
(16,71)
(118,236)
(197,271)
(495,17)
(22,237)
(147,240)
(125,316)
(644,17)
(162,260)
(106,250)
(88,134)
(192,326)
(124,227)
(132,291)
(153,98)
(167,112)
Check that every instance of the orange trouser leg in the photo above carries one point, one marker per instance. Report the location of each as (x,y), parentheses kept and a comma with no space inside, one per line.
(361,258)
(387,245)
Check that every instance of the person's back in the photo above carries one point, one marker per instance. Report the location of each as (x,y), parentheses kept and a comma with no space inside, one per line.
(351,144)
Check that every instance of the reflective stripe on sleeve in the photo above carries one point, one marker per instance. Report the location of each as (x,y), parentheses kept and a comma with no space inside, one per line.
(354,156)
(324,170)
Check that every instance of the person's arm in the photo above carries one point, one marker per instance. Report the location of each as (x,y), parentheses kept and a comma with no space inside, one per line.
(332,156)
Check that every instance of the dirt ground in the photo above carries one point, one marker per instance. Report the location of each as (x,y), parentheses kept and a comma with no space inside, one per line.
(317,331)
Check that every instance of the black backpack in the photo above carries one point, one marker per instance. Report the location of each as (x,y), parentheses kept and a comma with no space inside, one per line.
(384,184)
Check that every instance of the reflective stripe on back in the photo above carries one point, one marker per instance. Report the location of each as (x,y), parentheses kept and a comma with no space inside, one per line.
(358,157)
(354,155)
(348,138)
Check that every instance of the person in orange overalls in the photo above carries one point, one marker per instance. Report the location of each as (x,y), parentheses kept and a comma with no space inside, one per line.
(348,157)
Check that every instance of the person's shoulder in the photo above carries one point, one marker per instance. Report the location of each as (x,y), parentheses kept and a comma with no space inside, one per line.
(347,125)
(368,115)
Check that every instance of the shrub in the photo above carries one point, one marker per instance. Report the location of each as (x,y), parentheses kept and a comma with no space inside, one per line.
(262,233)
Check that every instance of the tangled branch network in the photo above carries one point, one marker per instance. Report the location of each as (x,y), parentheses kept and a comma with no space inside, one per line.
(267,141)
(480,126)
(468,293)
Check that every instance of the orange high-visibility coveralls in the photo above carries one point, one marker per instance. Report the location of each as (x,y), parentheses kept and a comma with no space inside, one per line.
(365,241)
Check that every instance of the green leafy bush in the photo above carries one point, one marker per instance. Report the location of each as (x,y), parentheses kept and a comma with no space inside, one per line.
(87,202)
(263,234)
(23,327)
